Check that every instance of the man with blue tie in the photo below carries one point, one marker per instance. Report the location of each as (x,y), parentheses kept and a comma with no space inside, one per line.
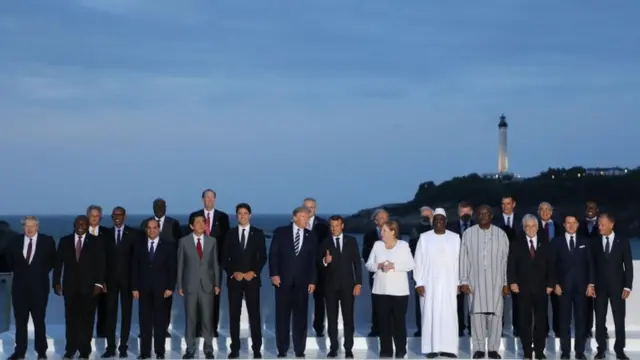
(293,260)
(575,280)
(548,230)
(153,277)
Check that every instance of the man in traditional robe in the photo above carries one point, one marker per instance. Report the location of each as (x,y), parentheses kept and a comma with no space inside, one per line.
(483,277)
(437,279)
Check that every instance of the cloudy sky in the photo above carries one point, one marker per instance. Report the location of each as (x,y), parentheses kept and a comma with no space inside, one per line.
(117,102)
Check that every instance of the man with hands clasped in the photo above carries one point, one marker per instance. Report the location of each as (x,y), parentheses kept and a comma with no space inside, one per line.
(531,275)
(198,281)
(343,275)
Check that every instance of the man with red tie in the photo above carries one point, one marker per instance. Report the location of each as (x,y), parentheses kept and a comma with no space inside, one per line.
(216,226)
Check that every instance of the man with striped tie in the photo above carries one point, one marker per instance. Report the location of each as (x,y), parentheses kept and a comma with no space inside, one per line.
(293,260)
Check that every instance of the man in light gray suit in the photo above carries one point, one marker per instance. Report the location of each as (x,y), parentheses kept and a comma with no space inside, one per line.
(198,282)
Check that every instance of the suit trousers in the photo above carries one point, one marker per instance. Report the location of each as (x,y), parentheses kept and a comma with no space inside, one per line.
(618,307)
(319,303)
(392,313)
(250,291)
(79,312)
(291,301)
(153,322)
(198,302)
(555,314)
(461,310)
(341,298)
(114,293)
(418,311)
(102,322)
(25,304)
(570,303)
(374,307)
(533,306)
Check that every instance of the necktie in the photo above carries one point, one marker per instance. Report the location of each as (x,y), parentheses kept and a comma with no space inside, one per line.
(29,250)
(296,242)
(532,249)
(152,250)
(607,246)
(572,244)
(463,227)
(78,247)
(119,236)
(208,224)
(199,248)
(509,221)
(338,244)
(243,239)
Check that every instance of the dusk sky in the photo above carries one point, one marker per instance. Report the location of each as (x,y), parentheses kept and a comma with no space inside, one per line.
(117,102)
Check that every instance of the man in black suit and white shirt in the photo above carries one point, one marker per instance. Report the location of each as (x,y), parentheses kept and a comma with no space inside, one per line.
(343,275)
(217,226)
(94,213)
(31,257)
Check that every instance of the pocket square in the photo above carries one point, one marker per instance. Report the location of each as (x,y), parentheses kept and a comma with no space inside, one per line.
(581,246)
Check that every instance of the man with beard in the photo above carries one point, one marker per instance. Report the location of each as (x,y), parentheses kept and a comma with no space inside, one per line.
(118,246)
(216,226)
(94,213)
(589,229)
(81,257)
(380,217)
(426,216)
(171,233)
(464,222)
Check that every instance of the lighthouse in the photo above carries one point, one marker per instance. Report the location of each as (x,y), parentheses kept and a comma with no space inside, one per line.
(503,157)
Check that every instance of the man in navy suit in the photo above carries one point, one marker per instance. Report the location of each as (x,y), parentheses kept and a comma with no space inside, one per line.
(153,277)
(31,257)
(293,260)
(575,278)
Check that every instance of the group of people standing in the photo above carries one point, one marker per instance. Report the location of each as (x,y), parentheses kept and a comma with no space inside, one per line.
(462,271)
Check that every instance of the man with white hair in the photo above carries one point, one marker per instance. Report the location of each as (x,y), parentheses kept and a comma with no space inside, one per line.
(437,280)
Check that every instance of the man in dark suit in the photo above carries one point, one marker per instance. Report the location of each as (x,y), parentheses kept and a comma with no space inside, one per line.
(343,274)
(380,217)
(81,256)
(31,257)
(548,229)
(614,280)
(575,280)
(243,257)
(321,228)
(293,258)
(465,221)
(153,278)
(94,213)
(589,229)
(217,226)
(530,274)
(118,246)
(426,216)
(171,233)
(511,224)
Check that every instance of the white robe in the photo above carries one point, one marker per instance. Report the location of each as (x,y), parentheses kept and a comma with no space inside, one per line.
(437,263)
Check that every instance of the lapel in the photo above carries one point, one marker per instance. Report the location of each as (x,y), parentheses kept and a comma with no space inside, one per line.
(193,245)
(307,234)
(157,251)
(248,239)
(37,249)
(85,243)
(207,245)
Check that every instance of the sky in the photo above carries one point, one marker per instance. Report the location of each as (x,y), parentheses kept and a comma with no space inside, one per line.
(117,102)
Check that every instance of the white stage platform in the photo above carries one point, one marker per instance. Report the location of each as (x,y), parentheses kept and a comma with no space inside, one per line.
(364,347)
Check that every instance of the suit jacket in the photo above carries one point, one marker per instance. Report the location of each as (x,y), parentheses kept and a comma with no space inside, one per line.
(345,269)
(219,229)
(170,229)
(291,268)
(370,238)
(153,275)
(196,274)
(120,255)
(80,277)
(583,229)
(251,258)
(533,276)
(321,228)
(545,235)
(31,279)
(516,225)
(615,271)
(456,228)
(574,269)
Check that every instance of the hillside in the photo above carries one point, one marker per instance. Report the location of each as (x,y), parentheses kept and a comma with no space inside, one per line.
(566,189)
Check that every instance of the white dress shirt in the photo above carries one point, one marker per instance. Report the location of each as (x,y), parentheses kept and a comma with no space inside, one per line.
(394,282)
(339,237)
(115,233)
(535,242)
(295,230)
(568,237)
(26,246)
(154,242)
(210,214)
(246,234)
(195,240)
(93,231)
(508,219)
(310,223)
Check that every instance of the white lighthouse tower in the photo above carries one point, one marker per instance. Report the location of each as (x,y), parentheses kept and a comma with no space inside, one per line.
(503,157)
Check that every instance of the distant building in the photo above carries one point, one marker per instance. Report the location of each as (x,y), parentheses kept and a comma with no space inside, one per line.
(613,171)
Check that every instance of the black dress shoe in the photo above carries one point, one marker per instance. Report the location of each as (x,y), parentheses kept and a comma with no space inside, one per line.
(540,355)
(282,355)
(167,334)
(401,355)
(300,355)
(233,355)
(160,356)
(67,356)
(449,355)
(257,355)
(319,334)
(348,354)
(16,357)
(417,334)
(332,354)
(188,355)
(209,355)
(144,357)
(108,354)
(494,355)
(600,355)
(123,354)
(432,355)
(581,357)
(215,333)
(565,356)
(478,355)
(622,356)
(373,333)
